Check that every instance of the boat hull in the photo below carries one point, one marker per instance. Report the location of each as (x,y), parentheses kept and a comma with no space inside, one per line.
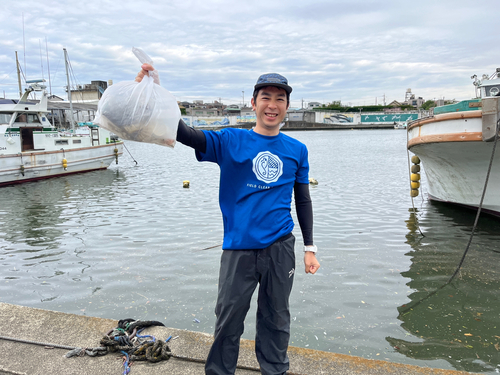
(38,165)
(455,160)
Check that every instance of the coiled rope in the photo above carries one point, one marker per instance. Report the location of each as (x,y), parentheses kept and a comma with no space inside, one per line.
(132,348)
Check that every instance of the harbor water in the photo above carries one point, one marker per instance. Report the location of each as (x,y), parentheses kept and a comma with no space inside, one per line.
(132,242)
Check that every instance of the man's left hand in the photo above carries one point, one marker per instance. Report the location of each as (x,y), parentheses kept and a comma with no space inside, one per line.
(311,263)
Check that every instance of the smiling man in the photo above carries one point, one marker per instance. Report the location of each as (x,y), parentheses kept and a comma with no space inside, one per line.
(259,171)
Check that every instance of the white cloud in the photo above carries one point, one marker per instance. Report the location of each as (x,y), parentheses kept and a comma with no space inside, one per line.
(355,50)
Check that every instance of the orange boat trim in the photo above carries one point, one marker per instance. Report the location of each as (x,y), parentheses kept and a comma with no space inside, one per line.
(453,137)
(445,117)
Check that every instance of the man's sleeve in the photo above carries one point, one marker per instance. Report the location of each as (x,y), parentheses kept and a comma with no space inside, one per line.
(303,206)
(191,137)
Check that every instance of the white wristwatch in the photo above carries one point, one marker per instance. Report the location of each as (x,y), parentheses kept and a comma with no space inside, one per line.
(311,248)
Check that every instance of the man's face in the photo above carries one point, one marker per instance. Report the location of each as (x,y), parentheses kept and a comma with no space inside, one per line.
(270,108)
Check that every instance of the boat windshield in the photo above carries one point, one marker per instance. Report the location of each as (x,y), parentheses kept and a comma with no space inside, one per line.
(5,118)
(27,117)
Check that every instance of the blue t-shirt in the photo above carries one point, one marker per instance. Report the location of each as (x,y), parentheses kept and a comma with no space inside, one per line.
(257,176)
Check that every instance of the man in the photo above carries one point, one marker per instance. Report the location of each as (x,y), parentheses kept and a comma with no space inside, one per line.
(259,169)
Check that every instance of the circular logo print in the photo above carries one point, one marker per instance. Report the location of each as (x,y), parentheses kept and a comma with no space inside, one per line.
(267,167)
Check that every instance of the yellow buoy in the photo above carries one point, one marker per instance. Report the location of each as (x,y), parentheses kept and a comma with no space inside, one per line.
(415,185)
(65,163)
(415,159)
(415,177)
(313,181)
(415,168)
(185,184)
(414,193)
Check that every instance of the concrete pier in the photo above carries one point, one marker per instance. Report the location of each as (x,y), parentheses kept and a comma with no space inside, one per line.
(28,337)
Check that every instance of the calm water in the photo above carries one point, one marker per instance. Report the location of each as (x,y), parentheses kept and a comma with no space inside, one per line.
(131,242)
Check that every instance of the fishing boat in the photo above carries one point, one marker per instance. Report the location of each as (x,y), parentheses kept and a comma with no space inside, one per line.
(456,145)
(31,148)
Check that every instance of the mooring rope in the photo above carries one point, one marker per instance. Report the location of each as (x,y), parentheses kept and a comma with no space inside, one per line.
(478,213)
(76,351)
(121,340)
(129,153)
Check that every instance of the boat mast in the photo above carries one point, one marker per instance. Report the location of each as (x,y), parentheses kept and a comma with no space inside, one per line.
(69,91)
(19,77)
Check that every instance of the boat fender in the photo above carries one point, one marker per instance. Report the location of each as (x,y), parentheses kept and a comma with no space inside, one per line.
(22,169)
(185,184)
(116,154)
(415,176)
(65,164)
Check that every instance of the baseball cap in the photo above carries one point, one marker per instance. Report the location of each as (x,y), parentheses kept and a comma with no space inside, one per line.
(273,79)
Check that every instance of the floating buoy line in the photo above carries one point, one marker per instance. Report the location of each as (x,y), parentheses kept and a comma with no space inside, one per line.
(410,306)
(414,174)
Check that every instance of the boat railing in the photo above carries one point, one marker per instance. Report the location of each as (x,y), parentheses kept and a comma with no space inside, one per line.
(415,122)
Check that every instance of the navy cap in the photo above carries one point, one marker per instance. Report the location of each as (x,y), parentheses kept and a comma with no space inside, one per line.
(273,79)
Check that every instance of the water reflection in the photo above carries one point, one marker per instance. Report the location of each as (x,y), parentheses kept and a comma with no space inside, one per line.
(36,219)
(458,322)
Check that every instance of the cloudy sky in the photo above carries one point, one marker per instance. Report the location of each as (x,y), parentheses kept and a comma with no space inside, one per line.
(357,51)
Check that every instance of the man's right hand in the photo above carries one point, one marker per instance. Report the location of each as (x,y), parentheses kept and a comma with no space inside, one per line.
(146,68)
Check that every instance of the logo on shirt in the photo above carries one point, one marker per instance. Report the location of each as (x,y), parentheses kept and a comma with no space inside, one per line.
(267,167)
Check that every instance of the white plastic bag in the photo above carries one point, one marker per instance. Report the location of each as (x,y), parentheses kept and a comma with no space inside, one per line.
(143,112)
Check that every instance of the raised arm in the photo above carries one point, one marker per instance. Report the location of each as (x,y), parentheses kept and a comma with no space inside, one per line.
(191,137)
(186,135)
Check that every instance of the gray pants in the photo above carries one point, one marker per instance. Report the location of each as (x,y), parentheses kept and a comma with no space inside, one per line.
(240,272)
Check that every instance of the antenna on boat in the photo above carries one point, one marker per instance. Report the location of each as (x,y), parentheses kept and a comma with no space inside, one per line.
(19,77)
(41,60)
(69,90)
(24,50)
(48,66)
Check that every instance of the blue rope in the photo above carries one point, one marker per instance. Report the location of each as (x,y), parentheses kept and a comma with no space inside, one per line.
(126,367)
(145,336)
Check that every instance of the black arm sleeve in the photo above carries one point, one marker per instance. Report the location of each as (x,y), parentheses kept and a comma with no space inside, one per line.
(191,137)
(303,205)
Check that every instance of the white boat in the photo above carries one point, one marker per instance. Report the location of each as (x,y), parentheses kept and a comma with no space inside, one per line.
(456,145)
(400,125)
(31,148)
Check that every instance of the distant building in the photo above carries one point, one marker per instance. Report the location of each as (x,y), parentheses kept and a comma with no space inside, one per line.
(232,110)
(247,111)
(439,102)
(89,92)
(410,99)
(301,115)
(312,105)
(198,108)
